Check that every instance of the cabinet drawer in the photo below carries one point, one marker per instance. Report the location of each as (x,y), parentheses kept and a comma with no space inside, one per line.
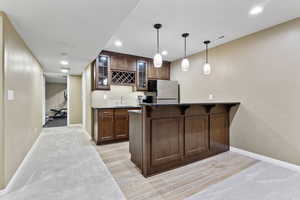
(121,111)
(106,112)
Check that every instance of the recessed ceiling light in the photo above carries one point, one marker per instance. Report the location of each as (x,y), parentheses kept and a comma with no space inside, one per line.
(65,70)
(64,62)
(256,10)
(165,52)
(118,43)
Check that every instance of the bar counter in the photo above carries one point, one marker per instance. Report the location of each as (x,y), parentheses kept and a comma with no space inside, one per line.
(166,136)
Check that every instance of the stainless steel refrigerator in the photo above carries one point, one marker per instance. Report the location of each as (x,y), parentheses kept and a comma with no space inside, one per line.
(163,91)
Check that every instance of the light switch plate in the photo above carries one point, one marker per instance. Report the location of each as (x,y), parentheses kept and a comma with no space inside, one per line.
(210,97)
(10,95)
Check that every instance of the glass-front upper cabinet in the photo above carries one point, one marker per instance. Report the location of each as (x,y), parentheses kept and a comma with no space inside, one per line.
(102,73)
(141,75)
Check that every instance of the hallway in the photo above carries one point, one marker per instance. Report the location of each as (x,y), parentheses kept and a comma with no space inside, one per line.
(57,166)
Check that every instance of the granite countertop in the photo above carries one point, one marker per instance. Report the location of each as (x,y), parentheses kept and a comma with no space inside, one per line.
(117,106)
(187,104)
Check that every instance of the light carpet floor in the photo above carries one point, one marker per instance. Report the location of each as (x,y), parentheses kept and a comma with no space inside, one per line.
(262,181)
(63,165)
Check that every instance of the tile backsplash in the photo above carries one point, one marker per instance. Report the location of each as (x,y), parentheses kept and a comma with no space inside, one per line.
(117,95)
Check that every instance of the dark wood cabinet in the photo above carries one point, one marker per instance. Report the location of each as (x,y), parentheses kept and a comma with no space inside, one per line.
(121,123)
(162,73)
(110,125)
(141,71)
(101,73)
(121,62)
(106,125)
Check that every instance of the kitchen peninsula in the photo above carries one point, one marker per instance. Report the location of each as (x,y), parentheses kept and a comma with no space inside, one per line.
(165,136)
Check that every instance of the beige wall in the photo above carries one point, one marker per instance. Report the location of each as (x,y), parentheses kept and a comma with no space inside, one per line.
(262,71)
(1,108)
(55,96)
(87,90)
(74,100)
(23,115)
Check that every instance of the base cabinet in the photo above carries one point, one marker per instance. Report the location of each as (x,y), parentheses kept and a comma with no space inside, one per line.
(110,125)
(106,125)
(121,124)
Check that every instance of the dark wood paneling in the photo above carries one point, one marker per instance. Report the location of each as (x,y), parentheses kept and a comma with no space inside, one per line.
(166,140)
(219,132)
(196,135)
(135,138)
(176,135)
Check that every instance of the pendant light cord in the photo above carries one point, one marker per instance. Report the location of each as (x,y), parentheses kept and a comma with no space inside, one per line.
(185,47)
(206,53)
(157,41)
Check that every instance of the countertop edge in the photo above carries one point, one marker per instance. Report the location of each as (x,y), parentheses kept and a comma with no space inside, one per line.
(186,104)
(115,107)
(135,111)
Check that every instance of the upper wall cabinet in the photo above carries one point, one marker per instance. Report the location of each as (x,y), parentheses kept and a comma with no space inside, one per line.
(162,73)
(122,69)
(122,62)
(101,73)
(141,70)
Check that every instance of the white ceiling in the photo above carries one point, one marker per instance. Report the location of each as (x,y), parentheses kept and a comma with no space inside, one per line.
(83,28)
(203,19)
(80,28)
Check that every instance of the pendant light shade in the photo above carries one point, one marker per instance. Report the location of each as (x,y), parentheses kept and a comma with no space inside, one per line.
(185,63)
(206,66)
(206,69)
(157,59)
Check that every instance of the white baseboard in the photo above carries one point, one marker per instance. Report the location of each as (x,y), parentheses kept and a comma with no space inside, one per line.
(71,125)
(266,159)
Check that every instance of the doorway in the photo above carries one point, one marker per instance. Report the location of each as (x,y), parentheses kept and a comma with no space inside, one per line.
(56,100)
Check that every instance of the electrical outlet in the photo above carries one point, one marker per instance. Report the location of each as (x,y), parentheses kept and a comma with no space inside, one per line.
(10,95)
(210,96)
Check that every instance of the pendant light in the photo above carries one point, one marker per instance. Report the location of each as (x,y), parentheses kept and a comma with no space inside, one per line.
(206,66)
(185,63)
(157,59)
